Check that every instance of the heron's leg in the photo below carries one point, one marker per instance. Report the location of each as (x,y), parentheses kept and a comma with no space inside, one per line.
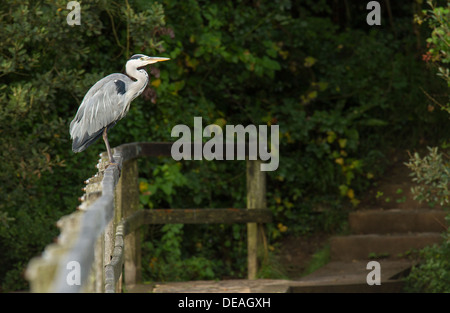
(105,139)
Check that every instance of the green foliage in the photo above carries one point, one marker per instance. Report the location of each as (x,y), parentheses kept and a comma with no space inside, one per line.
(432,175)
(438,54)
(433,273)
(438,18)
(208,252)
(318,260)
(46,67)
(164,178)
(271,268)
(339,96)
(165,256)
(164,260)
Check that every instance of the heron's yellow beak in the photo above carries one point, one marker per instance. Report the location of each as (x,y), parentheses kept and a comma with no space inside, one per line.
(152,60)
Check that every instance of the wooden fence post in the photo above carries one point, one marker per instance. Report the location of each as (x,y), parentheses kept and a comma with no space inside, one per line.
(256,199)
(127,202)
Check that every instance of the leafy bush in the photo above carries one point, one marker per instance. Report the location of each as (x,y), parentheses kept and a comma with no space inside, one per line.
(46,67)
(432,172)
(433,275)
(432,175)
(164,261)
(438,18)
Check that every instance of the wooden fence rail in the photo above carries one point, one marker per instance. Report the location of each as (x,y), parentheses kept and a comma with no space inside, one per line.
(100,242)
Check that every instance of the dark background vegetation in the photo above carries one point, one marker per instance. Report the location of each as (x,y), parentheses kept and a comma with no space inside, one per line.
(344,94)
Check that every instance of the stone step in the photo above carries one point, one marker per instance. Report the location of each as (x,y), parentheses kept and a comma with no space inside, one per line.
(397,221)
(361,247)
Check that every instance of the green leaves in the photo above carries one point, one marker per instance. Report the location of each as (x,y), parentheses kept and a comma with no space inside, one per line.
(432,274)
(438,19)
(165,179)
(432,176)
(46,67)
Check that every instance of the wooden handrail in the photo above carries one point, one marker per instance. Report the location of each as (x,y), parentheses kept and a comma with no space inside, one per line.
(101,237)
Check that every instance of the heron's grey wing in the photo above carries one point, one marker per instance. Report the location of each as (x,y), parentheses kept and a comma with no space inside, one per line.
(102,106)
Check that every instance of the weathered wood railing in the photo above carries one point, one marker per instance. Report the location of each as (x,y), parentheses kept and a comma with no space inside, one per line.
(100,241)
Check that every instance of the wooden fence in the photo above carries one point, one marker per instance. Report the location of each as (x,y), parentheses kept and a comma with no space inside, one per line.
(99,245)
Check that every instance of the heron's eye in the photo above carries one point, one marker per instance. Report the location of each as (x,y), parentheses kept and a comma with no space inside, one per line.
(142,59)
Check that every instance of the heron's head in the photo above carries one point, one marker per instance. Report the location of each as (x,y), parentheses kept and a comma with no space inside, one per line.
(140,60)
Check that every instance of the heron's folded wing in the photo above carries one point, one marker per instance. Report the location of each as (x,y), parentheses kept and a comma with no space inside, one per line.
(102,106)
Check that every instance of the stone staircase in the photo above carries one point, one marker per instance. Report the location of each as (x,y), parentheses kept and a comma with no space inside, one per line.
(388,233)
(386,236)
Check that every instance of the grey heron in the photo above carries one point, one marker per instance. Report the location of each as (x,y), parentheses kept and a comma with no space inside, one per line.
(107,102)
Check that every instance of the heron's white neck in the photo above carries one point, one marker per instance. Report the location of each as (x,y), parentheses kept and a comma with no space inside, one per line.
(141,80)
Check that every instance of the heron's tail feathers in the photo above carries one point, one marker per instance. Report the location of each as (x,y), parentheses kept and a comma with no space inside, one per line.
(80,144)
